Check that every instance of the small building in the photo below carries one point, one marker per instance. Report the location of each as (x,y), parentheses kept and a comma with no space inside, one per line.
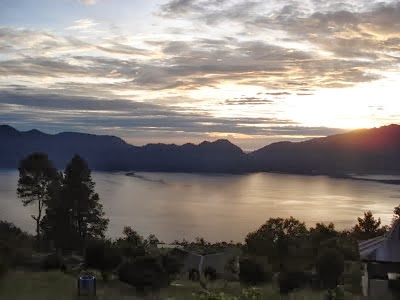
(225,263)
(381,264)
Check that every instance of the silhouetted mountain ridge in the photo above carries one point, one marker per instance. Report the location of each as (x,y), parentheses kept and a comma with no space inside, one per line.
(375,150)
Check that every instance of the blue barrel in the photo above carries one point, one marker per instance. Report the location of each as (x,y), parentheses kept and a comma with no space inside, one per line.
(87,285)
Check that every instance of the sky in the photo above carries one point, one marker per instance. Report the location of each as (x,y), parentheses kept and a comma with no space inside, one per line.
(178,71)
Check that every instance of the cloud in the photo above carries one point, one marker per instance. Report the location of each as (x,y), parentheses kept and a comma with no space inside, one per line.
(84,24)
(55,112)
(275,50)
(248,101)
(88,2)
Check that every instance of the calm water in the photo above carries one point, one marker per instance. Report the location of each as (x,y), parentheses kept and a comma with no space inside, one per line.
(218,207)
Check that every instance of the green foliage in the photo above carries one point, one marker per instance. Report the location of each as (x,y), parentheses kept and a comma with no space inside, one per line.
(152,240)
(254,272)
(322,232)
(132,244)
(368,227)
(74,214)
(277,239)
(335,294)
(172,264)
(36,174)
(396,216)
(4,266)
(101,255)
(246,294)
(88,217)
(291,280)
(15,245)
(330,266)
(51,262)
(210,273)
(352,278)
(144,273)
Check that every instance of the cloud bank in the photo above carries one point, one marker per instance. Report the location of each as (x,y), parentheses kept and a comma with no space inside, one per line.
(217,67)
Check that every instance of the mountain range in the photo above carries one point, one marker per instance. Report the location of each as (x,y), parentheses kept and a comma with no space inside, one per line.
(375,150)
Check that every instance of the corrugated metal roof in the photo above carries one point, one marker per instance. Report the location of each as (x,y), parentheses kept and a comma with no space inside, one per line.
(384,248)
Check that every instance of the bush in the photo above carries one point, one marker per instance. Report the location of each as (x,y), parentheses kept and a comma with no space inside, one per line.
(194,275)
(330,266)
(144,273)
(291,280)
(172,264)
(352,279)
(210,273)
(102,256)
(51,262)
(3,268)
(253,272)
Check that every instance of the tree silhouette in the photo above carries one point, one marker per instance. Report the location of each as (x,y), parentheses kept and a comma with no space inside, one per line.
(330,266)
(36,174)
(87,216)
(57,224)
(396,216)
(368,227)
(276,238)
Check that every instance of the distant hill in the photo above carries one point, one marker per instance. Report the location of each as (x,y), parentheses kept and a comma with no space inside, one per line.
(374,150)
(112,153)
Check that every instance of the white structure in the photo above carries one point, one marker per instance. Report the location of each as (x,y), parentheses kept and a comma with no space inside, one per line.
(381,257)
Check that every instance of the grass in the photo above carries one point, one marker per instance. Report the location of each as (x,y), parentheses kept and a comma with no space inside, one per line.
(21,285)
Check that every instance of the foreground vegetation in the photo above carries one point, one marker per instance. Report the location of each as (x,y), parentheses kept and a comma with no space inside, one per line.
(21,285)
(283,257)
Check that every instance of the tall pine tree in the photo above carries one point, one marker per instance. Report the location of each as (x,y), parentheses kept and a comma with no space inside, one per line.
(36,175)
(87,216)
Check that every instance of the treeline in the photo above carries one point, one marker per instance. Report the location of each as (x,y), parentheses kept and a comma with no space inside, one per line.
(70,220)
(69,212)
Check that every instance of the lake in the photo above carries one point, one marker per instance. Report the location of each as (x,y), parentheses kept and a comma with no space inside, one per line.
(218,207)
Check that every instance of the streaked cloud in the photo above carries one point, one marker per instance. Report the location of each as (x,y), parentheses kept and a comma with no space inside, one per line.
(84,24)
(245,69)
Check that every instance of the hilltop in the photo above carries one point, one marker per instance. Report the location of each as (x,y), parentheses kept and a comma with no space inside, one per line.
(374,150)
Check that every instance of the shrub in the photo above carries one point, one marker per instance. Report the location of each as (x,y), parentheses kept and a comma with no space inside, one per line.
(253,272)
(144,273)
(102,256)
(172,264)
(352,278)
(51,262)
(210,273)
(330,266)
(291,280)
(3,268)
(194,275)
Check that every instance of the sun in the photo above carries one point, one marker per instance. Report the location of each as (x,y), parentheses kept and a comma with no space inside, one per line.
(364,106)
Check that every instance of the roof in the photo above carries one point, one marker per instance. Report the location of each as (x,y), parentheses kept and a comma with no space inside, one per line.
(168,246)
(384,248)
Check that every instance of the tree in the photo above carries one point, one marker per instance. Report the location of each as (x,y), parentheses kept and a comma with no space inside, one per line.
(253,271)
(152,240)
(57,224)
(36,174)
(330,266)
(396,215)
(368,227)
(101,255)
(87,216)
(144,272)
(132,244)
(276,238)
(322,234)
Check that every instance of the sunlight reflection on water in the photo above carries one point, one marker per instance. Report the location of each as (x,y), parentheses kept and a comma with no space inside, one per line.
(218,207)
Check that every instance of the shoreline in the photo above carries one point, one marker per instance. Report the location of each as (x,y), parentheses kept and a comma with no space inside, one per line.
(349,177)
